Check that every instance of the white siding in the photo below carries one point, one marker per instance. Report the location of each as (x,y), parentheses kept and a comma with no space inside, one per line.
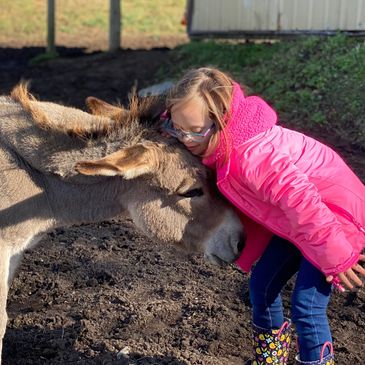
(276,15)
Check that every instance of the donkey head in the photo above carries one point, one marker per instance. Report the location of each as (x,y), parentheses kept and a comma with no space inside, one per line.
(166,190)
(172,198)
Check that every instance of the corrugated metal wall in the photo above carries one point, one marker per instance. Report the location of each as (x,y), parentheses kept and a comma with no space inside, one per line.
(237,16)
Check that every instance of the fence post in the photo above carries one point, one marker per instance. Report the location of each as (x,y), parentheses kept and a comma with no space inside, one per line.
(51,26)
(114,25)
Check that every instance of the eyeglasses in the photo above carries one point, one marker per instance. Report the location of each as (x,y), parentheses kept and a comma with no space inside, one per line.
(168,127)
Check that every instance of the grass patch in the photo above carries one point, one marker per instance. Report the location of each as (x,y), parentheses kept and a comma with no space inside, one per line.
(225,55)
(43,57)
(28,19)
(313,82)
(156,17)
(23,18)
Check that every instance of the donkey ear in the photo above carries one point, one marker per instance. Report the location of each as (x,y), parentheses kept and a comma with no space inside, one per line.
(129,162)
(99,107)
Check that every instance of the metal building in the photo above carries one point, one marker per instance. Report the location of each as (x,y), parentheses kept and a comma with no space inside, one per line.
(230,18)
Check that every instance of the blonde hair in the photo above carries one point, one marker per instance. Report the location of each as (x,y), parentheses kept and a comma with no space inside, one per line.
(215,88)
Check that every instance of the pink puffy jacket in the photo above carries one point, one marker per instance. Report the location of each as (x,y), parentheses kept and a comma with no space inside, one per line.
(291,185)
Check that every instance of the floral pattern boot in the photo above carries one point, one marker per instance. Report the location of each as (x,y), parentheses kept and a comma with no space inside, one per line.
(324,360)
(271,346)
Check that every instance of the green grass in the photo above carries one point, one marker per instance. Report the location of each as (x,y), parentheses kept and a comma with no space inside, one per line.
(313,82)
(153,17)
(22,17)
(27,19)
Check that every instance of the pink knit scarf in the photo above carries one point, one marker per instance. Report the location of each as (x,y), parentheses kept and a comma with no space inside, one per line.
(248,117)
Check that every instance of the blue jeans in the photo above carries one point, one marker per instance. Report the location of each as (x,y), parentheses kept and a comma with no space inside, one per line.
(310,297)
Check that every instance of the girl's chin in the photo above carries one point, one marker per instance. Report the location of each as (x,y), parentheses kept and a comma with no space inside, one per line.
(197,150)
(194,149)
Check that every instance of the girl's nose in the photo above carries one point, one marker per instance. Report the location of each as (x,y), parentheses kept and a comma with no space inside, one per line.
(184,138)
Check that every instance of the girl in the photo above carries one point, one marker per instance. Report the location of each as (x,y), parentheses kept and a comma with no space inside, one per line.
(302,207)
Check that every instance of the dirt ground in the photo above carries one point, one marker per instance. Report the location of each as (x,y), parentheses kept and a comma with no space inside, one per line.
(103,294)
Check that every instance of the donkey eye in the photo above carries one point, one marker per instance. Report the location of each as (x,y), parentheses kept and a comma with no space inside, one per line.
(193,193)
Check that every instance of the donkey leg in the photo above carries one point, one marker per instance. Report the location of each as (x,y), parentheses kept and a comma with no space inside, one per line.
(14,264)
(4,287)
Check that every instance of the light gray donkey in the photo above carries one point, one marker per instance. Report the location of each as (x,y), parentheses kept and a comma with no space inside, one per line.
(61,166)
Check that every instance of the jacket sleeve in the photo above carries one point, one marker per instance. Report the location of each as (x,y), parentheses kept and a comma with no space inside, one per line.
(312,225)
(257,240)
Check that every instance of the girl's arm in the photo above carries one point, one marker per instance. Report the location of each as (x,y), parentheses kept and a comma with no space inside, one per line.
(313,226)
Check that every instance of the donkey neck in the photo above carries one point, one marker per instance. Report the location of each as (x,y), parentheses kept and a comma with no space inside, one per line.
(75,203)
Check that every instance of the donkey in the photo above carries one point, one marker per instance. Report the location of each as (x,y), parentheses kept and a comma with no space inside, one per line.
(61,166)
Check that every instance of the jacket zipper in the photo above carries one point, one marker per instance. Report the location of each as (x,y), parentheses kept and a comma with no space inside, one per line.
(346,215)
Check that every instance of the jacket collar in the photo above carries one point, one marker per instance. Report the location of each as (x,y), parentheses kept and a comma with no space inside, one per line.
(248,117)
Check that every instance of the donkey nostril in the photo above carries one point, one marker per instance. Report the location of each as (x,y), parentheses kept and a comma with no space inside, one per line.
(241,244)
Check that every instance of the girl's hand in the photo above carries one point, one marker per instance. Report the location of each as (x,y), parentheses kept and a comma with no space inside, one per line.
(351,277)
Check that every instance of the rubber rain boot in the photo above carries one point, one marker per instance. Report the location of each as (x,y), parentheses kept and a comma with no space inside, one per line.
(323,360)
(271,346)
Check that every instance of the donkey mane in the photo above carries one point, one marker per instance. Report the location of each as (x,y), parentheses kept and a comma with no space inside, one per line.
(52,137)
(139,110)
